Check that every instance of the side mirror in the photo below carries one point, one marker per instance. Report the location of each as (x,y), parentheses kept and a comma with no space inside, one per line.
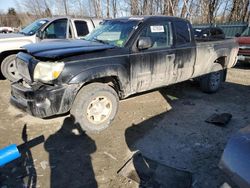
(144,43)
(39,34)
(237,35)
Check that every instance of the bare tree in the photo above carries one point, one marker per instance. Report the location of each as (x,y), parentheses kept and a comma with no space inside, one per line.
(145,7)
(197,11)
(184,8)
(212,6)
(134,7)
(107,5)
(65,5)
(114,8)
(97,8)
(80,8)
(234,11)
(39,8)
(245,11)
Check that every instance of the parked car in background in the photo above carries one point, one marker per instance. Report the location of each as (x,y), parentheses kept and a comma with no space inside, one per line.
(124,56)
(209,33)
(244,45)
(6,30)
(41,30)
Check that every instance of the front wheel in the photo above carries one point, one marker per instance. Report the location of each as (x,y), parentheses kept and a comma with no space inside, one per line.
(95,107)
(8,68)
(211,82)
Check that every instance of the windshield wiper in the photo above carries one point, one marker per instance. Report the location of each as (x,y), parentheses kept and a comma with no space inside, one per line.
(101,41)
(22,33)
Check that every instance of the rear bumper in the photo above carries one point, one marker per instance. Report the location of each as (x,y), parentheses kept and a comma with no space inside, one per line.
(44,101)
(244,58)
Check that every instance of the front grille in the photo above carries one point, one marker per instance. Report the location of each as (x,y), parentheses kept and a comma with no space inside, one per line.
(23,69)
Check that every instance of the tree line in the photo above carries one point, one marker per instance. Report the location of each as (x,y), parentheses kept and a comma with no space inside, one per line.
(197,11)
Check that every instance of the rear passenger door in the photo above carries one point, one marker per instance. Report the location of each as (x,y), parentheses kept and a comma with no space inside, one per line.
(81,28)
(185,52)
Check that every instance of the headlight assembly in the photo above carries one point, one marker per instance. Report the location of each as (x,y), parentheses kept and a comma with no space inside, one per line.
(48,71)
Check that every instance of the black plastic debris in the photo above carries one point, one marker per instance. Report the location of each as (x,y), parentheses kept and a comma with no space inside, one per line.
(219,119)
(150,173)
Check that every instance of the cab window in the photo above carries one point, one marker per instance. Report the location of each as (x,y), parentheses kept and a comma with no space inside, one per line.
(56,30)
(81,28)
(160,35)
(182,33)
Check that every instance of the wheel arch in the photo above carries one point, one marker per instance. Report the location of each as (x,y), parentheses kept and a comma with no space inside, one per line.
(112,81)
(116,77)
(222,61)
(4,54)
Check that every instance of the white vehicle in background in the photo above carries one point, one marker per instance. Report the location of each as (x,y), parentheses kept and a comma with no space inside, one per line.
(41,30)
(6,30)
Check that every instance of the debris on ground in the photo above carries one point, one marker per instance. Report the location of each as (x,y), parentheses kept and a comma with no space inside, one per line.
(219,119)
(150,173)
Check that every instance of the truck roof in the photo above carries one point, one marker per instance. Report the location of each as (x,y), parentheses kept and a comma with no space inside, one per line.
(148,18)
(68,17)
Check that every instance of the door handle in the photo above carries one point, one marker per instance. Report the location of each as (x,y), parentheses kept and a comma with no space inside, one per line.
(171,56)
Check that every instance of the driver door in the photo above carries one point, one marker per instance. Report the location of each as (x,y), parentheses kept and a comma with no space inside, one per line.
(150,67)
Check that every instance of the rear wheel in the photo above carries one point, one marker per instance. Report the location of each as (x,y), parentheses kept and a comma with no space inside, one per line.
(211,82)
(9,69)
(95,107)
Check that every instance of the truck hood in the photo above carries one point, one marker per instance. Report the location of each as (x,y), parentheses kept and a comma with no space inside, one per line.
(64,48)
(11,35)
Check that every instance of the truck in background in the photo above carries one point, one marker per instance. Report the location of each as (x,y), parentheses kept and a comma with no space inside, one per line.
(41,30)
(241,30)
(244,45)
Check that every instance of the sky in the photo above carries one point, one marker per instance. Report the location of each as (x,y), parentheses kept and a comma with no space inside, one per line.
(5,4)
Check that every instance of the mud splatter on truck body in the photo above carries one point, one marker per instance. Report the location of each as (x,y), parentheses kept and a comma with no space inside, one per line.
(149,52)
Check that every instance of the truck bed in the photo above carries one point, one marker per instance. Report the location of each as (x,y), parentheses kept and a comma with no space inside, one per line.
(209,51)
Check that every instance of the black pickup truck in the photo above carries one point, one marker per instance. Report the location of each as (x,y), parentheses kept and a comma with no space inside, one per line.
(121,57)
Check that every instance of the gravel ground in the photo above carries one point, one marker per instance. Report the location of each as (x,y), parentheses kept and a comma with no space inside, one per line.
(166,125)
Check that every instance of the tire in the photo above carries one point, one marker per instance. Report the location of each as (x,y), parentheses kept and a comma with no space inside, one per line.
(8,68)
(88,100)
(211,82)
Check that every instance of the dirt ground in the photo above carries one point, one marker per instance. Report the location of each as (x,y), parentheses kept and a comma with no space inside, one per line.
(166,125)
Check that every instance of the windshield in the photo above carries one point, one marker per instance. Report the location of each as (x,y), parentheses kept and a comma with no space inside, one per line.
(246,33)
(113,32)
(33,27)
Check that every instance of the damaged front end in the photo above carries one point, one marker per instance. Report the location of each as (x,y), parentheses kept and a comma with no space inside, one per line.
(44,101)
(235,161)
(37,98)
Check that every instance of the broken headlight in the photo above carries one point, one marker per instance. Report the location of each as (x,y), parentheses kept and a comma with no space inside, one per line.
(48,71)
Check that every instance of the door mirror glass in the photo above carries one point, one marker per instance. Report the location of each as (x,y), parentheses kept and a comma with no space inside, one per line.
(39,34)
(144,43)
